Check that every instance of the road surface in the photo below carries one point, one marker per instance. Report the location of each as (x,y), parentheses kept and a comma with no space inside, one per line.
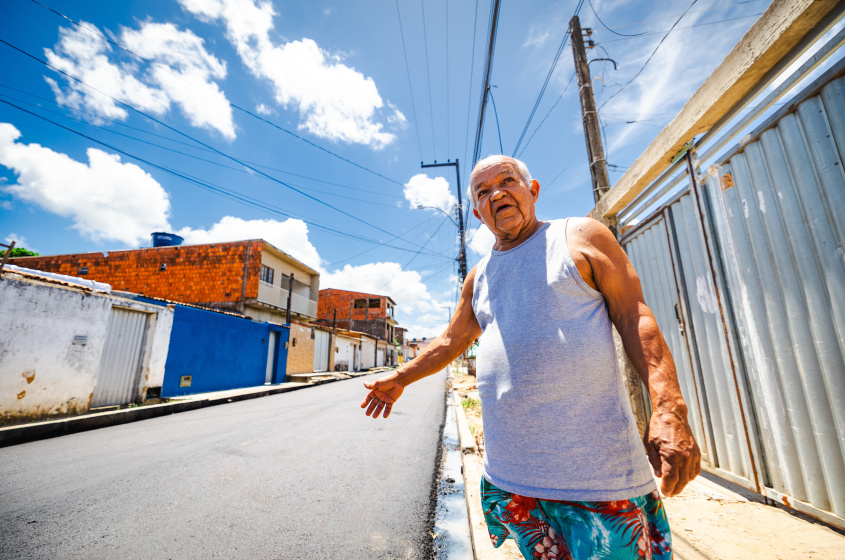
(297,475)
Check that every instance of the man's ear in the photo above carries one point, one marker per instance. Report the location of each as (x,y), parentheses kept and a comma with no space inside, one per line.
(476,214)
(535,189)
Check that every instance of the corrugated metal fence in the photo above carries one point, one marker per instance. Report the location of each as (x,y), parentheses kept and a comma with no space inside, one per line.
(745,273)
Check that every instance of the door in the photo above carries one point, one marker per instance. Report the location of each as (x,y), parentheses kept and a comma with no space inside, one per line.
(120,365)
(380,357)
(321,350)
(272,344)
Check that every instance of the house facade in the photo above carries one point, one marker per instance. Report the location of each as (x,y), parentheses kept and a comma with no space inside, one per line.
(251,278)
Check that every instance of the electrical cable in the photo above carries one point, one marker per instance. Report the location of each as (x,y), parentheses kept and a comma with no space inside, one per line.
(496,114)
(605,25)
(546,82)
(428,73)
(232,105)
(649,57)
(687,27)
(471,71)
(569,83)
(212,162)
(488,68)
(245,199)
(219,152)
(410,87)
(448,121)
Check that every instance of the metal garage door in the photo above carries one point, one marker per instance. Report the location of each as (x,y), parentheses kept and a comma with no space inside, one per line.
(321,350)
(120,366)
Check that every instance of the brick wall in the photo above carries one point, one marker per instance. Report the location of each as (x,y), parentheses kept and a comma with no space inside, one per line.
(301,353)
(199,274)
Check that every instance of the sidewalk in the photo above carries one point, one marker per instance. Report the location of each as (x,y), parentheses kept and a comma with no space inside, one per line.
(13,435)
(712,519)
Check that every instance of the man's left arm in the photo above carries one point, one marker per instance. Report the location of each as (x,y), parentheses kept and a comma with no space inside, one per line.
(669,442)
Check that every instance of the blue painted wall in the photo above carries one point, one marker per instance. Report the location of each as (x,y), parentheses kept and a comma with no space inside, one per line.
(220,352)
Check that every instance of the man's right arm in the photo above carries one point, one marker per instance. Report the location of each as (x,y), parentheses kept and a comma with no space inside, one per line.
(462,330)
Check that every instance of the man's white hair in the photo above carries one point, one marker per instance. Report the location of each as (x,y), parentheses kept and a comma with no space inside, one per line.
(520,166)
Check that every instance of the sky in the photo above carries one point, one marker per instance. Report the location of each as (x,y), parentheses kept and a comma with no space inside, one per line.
(304,123)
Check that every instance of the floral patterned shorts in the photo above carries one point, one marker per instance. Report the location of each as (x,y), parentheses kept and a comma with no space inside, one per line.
(563,530)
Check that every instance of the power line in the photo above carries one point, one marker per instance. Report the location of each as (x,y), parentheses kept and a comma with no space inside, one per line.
(410,87)
(488,68)
(471,71)
(605,25)
(219,152)
(569,83)
(686,27)
(650,56)
(496,113)
(244,199)
(448,122)
(217,163)
(428,73)
(546,82)
(232,105)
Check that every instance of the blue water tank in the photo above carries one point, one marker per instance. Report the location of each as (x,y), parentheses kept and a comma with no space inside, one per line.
(163,239)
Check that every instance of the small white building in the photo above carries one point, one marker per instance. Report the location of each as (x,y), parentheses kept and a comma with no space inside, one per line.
(67,345)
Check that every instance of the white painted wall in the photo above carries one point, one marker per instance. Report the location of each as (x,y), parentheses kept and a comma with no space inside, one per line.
(368,355)
(343,356)
(42,372)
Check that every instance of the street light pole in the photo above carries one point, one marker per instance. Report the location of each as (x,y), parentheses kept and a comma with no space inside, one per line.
(462,256)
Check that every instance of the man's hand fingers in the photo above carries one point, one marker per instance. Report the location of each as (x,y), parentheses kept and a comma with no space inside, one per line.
(367,399)
(387,408)
(669,480)
(372,407)
(378,410)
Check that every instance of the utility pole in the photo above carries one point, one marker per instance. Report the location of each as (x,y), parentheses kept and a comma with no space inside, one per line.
(290,294)
(462,256)
(595,152)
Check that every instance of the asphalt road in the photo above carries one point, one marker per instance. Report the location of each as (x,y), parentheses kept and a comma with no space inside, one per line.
(297,475)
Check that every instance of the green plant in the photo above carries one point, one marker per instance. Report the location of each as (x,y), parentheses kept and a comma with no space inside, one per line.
(468,403)
(21,252)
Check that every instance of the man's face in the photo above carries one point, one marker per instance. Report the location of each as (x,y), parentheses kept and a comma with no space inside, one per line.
(504,202)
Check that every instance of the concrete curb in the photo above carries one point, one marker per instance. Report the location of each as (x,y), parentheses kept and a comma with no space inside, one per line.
(468,444)
(15,435)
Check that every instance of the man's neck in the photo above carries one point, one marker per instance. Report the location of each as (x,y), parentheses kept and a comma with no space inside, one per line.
(507,242)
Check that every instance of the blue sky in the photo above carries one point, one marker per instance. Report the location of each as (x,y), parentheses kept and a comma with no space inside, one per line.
(149,127)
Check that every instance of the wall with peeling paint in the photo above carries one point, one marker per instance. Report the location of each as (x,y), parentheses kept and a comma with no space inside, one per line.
(47,368)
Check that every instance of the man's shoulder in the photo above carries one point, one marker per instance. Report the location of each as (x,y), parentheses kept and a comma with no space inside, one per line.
(585,232)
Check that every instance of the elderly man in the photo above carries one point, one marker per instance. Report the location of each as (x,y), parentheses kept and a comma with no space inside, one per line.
(565,474)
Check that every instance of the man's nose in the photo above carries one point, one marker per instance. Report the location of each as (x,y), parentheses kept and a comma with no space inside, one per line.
(497,193)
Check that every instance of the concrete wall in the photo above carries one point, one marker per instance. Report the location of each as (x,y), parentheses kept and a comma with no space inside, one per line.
(344,353)
(43,373)
(218,351)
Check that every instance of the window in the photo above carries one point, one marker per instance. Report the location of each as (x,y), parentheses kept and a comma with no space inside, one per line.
(375,304)
(360,304)
(266,274)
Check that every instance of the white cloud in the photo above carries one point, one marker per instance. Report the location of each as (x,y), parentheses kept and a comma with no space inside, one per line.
(20,241)
(185,71)
(84,55)
(105,198)
(422,190)
(336,102)
(481,240)
(186,81)
(291,236)
(263,109)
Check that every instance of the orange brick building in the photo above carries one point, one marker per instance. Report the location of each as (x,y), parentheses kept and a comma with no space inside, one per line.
(247,277)
(358,311)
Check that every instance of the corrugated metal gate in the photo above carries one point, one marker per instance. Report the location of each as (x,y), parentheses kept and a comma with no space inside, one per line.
(746,276)
(321,350)
(120,366)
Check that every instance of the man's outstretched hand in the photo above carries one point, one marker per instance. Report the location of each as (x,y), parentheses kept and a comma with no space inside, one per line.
(672,451)
(383,393)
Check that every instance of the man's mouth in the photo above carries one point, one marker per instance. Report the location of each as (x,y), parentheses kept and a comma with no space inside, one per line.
(502,207)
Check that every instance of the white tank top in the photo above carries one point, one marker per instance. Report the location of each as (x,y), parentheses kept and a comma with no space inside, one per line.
(557,421)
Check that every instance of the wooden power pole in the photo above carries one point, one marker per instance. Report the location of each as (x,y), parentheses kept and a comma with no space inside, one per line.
(595,152)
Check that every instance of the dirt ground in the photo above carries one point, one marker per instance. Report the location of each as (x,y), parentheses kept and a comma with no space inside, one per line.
(711,519)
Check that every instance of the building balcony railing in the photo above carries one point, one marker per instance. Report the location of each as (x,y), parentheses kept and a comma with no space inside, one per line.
(278,297)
